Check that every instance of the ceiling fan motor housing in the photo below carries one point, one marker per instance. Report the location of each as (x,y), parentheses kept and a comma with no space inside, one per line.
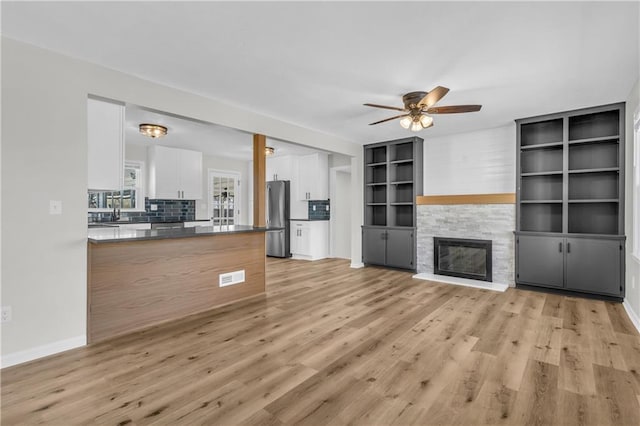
(412,98)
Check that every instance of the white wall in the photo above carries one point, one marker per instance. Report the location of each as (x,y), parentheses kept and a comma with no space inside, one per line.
(482,162)
(632,279)
(44,256)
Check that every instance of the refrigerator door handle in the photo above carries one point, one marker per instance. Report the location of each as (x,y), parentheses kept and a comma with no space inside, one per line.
(268,202)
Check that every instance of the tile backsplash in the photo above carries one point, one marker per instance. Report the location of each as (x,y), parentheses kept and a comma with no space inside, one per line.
(322,210)
(168,211)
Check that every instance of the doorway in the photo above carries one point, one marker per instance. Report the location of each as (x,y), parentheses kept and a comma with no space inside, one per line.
(224,204)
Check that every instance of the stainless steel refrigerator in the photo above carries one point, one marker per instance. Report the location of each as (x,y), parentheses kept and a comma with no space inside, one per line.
(278,218)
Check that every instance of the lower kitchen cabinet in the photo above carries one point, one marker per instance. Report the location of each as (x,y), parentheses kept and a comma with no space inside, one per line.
(587,265)
(309,239)
(389,246)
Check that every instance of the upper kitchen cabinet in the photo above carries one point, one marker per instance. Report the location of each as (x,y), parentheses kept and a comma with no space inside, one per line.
(175,174)
(280,168)
(313,177)
(105,137)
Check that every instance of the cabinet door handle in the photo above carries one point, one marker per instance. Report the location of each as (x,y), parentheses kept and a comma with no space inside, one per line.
(560,247)
(568,247)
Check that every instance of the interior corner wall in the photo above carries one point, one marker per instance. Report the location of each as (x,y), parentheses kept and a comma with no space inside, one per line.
(481,162)
(632,275)
(44,275)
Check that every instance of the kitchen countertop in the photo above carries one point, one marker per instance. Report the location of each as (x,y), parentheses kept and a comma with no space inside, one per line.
(138,222)
(114,235)
(309,220)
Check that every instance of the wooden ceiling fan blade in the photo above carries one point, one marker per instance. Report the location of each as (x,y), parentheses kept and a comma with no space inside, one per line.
(385,107)
(453,109)
(433,96)
(388,119)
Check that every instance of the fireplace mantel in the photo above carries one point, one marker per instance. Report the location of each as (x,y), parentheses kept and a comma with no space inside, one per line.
(500,198)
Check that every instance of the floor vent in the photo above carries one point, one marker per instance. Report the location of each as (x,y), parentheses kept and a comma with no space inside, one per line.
(231,278)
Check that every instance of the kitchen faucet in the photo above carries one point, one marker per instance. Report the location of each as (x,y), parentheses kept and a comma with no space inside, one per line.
(115,216)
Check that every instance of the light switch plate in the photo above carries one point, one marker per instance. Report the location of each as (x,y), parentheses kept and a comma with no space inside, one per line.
(55,207)
(314,208)
(154,207)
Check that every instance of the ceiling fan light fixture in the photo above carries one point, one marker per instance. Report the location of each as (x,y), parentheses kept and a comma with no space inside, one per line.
(406,122)
(269,150)
(153,130)
(416,125)
(426,121)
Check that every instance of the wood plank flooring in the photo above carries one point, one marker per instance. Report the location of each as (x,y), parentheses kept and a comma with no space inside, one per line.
(330,345)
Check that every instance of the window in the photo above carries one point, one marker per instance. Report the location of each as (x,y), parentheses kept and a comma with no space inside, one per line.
(636,184)
(224,208)
(130,198)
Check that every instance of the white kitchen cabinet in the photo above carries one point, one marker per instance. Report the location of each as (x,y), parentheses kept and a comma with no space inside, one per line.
(309,239)
(280,168)
(174,174)
(105,145)
(312,176)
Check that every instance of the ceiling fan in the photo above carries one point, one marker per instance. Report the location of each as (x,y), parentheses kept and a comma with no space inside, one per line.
(418,104)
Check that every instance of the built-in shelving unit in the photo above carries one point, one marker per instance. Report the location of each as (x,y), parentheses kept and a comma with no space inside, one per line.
(393,179)
(571,185)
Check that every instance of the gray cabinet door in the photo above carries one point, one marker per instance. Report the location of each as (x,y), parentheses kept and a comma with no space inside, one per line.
(373,245)
(540,260)
(594,265)
(400,244)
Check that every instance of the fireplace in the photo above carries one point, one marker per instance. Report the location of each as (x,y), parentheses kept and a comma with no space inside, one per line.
(462,258)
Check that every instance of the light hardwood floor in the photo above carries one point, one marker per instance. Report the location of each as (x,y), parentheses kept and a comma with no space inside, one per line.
(333,345)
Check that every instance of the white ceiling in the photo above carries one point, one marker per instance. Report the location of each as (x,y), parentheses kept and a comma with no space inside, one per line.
(316,63)
(192,134)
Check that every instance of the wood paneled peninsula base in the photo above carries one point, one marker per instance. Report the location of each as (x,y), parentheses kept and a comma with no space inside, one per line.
(141,278)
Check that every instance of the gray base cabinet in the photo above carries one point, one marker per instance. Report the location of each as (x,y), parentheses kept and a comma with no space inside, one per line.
(374,246)
(540,260)
(389,247)
(587,265)
(594,266)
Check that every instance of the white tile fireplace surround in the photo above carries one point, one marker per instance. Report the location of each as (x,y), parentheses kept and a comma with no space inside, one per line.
(495,222)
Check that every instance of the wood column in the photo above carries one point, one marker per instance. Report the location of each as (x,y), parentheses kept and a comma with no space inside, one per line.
(259,180)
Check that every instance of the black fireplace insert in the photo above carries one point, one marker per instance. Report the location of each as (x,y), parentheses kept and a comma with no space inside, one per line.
(462,258)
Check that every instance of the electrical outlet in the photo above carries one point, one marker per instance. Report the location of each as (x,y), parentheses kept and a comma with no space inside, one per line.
(154,207)
(314,208)
(6,314)
(326,207)
(55,207)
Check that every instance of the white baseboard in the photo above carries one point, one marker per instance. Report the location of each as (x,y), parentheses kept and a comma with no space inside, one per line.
(635,319)
(356,265)
(462,281)
(42,351)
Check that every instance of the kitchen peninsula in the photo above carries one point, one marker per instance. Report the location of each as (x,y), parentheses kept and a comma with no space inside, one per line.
(139,278)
